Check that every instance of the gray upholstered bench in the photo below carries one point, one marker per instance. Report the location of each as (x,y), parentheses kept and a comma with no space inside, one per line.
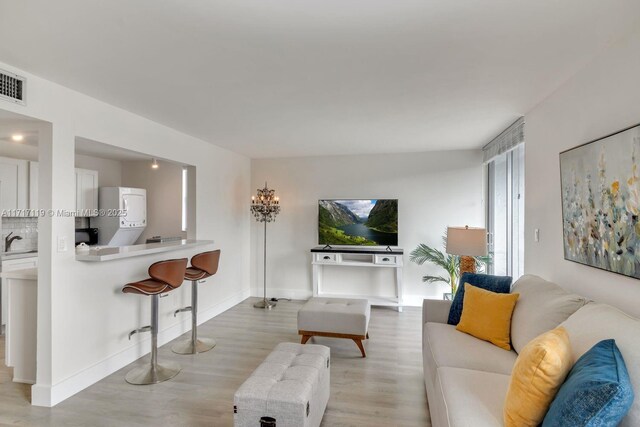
(336,318)
(292,385)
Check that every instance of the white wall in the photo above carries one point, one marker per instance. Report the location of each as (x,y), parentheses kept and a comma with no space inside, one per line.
(18,151)
(435,189)
(601,99)
(164,196)
(83,318)
(109,170)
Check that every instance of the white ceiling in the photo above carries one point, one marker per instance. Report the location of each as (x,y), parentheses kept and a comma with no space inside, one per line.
(301,77)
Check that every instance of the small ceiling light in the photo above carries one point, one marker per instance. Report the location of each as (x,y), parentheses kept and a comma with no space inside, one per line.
(17,137)
(154,164)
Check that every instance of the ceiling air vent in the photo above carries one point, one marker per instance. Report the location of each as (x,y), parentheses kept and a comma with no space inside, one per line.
(12,87)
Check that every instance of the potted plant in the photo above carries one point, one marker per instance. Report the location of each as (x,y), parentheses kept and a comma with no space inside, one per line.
(449,263)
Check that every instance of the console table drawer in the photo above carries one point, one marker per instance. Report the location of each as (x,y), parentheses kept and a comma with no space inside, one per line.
(386,259)
(329,258)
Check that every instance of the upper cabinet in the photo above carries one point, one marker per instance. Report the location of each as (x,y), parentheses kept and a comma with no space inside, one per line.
(33,185)
(86,192)
(19,188)
(14,183)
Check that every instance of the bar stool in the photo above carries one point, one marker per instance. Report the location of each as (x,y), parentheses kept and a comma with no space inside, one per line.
(165,276)
(202,266)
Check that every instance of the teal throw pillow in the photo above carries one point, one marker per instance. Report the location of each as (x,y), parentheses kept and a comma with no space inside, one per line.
(597,391)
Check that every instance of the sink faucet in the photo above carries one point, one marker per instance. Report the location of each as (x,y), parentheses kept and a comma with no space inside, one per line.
(9,240)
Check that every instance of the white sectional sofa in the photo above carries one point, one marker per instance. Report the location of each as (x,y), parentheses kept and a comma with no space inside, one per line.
(467,379)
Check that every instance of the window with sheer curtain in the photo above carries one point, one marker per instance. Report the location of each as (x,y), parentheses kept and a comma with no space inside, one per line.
(504,158)
(184,198)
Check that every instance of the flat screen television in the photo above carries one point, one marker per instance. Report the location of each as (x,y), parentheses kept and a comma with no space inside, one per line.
(358,222)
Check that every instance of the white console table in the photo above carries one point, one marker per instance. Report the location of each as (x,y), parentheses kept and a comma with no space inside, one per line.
(358,257)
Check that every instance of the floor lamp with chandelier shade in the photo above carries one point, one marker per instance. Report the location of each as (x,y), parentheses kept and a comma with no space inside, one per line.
(265,206)
(468,242)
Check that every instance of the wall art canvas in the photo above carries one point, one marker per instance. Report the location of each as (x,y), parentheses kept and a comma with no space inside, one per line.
(601,203)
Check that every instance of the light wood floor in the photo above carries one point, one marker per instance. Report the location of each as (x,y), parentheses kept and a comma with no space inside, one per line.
(385,389)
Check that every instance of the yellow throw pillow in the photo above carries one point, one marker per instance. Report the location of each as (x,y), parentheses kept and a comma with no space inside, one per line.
(487,315)
(539,371)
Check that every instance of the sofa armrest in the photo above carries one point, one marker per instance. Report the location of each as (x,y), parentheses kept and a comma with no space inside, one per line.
(434,310)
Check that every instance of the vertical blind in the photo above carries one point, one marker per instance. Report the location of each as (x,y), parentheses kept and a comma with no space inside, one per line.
(507,140)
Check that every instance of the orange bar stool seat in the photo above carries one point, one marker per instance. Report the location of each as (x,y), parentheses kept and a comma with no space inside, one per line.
(203,265)
(165,277)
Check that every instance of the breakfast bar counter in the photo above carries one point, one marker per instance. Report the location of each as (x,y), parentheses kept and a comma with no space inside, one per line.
(101,254)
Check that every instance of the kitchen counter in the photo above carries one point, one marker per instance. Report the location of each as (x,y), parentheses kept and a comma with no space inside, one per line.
(24,274)
(18,255)
(113,253)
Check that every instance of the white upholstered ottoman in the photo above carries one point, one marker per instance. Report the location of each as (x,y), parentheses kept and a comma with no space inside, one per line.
(336,318)
(291,385)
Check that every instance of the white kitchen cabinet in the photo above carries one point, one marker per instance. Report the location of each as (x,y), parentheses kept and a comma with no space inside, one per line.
(86,188)
(14,184)
(33,185)
(86,191)
(13,264)
(22,330)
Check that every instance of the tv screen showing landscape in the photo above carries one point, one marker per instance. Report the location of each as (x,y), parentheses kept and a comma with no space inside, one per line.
(368,222)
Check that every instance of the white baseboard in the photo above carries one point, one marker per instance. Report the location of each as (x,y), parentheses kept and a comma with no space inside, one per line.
(300,294)
(303,294)
(41,395)
(48,396)
(414,300)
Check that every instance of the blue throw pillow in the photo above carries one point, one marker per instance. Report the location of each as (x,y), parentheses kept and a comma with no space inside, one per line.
(499,284)
(597,391)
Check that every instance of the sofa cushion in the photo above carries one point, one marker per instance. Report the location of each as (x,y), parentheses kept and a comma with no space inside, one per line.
(500,284)
(472,398)
(541,307)
(446,347)
(540,370)
(596,322)
(596,392)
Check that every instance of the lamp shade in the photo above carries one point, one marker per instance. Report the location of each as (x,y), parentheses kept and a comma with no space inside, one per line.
(466,241)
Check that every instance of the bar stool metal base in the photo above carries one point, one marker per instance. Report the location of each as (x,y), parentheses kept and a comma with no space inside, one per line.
(145,375)
(194,345)
(265,304)
(186,347)
(153,372)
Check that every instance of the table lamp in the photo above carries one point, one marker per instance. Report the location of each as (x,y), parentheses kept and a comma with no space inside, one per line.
(467,242)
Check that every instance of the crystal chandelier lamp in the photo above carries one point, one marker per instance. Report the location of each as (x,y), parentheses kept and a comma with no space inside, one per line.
(265,206)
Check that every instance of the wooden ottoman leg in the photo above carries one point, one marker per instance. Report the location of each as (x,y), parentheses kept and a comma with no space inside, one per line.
(367,335)
(360,346)
(305,338)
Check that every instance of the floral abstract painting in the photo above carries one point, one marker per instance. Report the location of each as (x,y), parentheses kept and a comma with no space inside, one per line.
(601,203)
